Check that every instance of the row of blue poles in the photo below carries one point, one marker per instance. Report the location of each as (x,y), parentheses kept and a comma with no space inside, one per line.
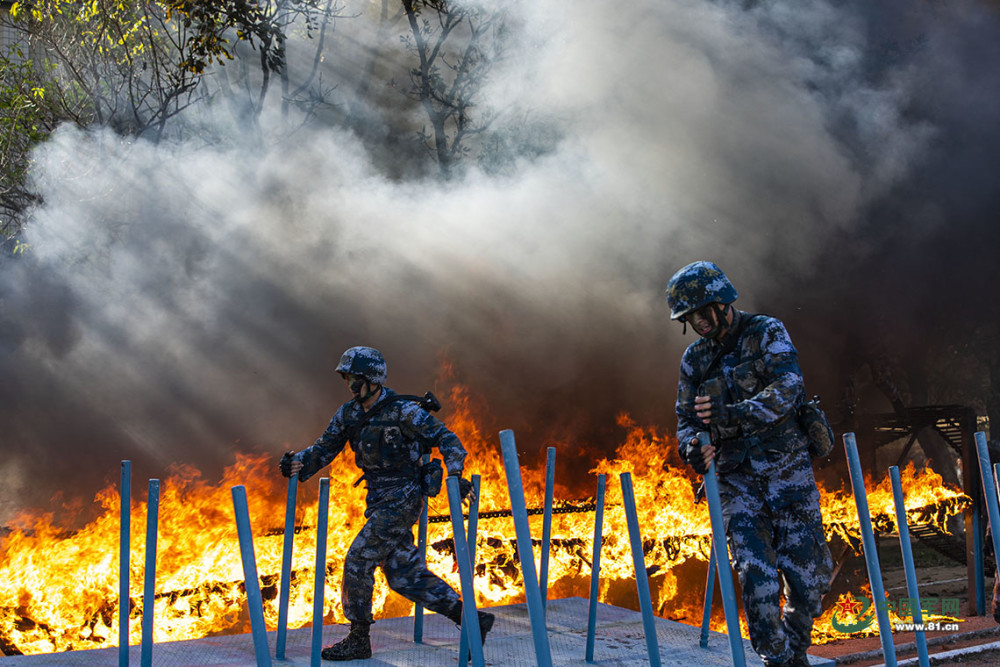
(535,590)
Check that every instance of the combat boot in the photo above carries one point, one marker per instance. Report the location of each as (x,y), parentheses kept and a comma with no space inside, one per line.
(486,619)
(354,646)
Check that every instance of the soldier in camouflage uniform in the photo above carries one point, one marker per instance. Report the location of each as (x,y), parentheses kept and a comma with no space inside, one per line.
(388,448)
(741,382)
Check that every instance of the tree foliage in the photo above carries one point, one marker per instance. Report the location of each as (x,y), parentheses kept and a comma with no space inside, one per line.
(22,125)
(130,65)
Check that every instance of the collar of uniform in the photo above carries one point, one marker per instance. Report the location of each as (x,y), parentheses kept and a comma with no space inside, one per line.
(733,329)
(360,412)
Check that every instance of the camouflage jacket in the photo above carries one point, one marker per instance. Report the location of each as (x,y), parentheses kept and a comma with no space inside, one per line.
(759,381)
(388,447)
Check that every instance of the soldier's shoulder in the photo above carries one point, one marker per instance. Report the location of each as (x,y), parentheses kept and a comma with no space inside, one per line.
(411,409)
(762,323)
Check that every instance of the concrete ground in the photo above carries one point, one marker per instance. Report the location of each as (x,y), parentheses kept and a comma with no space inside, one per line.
(619,641)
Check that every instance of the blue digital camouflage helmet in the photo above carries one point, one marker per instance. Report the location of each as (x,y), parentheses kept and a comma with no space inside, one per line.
(366,362)
(698,284)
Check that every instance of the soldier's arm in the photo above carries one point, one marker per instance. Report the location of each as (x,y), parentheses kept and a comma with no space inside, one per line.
(325,449)
(783,387)
(688,423)
(433,433)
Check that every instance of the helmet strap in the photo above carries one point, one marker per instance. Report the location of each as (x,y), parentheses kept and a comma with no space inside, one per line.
(719,313)
(372,390)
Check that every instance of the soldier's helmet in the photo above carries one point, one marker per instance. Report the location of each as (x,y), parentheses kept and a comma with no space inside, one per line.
(696,285)
(364,361)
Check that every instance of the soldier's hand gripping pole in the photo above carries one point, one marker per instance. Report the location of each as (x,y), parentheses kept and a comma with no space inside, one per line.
(722,558)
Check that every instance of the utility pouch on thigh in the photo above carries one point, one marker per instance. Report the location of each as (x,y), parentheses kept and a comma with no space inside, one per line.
(431,476)
(813,421)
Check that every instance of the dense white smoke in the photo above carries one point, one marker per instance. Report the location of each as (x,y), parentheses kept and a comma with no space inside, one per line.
(182,300)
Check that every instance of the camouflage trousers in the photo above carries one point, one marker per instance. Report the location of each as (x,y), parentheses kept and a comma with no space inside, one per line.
(770,505)
(386,540)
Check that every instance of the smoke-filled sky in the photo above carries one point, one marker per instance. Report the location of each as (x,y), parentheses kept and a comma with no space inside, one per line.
(181,302)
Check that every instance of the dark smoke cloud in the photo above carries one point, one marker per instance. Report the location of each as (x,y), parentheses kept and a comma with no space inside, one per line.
(182,302)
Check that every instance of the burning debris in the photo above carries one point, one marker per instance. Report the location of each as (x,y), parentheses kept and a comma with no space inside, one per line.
(60,589)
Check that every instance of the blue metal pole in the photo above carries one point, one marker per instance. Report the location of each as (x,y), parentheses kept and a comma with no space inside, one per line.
(321,522)
(124,548)
(726,586)
(989,490)
(149,577)
(871,554)
(595,569)
(550,479)
(706,617)
(470,617)
(908,567)
(639,561)
(418,609)
(286,568)
(519,512)
(463,645)
(255,603)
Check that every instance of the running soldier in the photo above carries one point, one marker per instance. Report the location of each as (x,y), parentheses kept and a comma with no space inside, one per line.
(389,435)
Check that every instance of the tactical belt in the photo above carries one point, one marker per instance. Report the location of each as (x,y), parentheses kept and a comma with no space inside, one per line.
(382,481)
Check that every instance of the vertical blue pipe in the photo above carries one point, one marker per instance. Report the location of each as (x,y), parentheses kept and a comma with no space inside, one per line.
(470,617)
(322,518)
(255,603)
(286,568)
(550,479)
(639,561)
(726,586)
(706,617)
(519,512)
(595,569)
(989,490)
(124,549)
(418,609)
(149,578)
(463,646)
(908,566)
(871,554)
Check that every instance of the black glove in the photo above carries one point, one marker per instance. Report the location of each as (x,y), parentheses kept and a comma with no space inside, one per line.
(285,464)
(466,491)
(691,453)
(723,414)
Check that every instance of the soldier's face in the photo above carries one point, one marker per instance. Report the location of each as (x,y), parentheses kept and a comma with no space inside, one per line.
(702,320)
(355,383)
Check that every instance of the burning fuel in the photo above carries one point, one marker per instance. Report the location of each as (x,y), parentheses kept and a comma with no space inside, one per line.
(59,589)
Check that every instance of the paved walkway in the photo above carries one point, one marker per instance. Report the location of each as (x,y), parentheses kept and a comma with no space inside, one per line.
(620,641)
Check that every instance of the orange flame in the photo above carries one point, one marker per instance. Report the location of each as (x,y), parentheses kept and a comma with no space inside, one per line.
(59,589)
